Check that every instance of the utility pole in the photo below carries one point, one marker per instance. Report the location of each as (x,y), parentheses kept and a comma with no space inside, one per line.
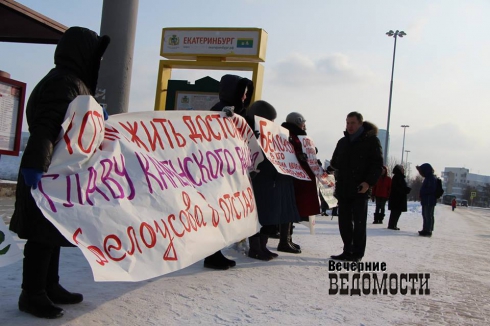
(119,23)
(394,35)
(403,146)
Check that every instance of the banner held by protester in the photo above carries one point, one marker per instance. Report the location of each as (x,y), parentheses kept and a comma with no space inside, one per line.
(274,141)
(144,194)
(9,251)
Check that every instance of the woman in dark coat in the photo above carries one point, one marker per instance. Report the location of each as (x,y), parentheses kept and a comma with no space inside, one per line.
(77,59)
(397,203)
(237,92)
(305,190)
(274,196)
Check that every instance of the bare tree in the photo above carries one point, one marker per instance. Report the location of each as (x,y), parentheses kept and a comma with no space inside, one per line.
(415,184)
(467,192)
(392,162)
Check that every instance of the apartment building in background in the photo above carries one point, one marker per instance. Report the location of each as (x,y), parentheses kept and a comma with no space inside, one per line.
(455,181)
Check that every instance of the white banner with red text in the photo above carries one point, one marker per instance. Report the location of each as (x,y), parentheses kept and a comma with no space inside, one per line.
(144,194)
(274,141)
(9,251)
(325,182)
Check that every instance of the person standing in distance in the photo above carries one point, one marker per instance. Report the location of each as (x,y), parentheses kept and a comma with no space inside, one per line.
(77,58)
(236,92)
(427,198)
(357,161)
(380,194)
(397,202)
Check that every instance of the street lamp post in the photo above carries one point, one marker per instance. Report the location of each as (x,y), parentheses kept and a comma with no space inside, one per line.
(403,146)
(407,151)
(395,36)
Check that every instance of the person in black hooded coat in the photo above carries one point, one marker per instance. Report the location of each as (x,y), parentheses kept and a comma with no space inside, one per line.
(234,91)
(77,58)
(397,203)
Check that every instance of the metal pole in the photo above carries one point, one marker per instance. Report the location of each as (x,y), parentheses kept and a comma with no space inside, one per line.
(407,159)
(119,23)
(389,102)
(403,146)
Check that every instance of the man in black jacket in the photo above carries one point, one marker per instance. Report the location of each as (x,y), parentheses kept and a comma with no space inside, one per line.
(357,161)
(77,59)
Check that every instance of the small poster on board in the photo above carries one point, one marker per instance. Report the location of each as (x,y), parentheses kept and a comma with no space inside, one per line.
(200,101)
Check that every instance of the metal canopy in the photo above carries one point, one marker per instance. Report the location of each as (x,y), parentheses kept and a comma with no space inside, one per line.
(21,24)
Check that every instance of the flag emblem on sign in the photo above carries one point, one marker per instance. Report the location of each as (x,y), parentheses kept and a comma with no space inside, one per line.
(245,43)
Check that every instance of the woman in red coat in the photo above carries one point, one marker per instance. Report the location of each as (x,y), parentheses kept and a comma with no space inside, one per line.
(305,191)
(381,192)
(453,203)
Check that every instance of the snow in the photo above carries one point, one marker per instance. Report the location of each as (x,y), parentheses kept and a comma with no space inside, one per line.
(9,167)
(293,289)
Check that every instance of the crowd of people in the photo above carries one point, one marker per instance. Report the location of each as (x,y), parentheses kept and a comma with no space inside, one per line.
(281,200)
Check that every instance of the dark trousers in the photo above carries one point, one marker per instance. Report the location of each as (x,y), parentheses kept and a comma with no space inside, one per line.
(352,224)
(380,207)
(394,216)
(41,264)
(428,216)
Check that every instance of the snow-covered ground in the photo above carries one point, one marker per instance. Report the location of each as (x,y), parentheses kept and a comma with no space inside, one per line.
(9,167)
(293,289)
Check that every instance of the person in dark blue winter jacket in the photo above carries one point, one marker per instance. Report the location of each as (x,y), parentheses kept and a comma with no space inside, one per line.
(427,198)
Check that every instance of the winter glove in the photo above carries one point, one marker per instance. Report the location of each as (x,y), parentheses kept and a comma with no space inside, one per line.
(32,176)
(330,170)
(106,115)
(229,110)
(257,134)
(319,162)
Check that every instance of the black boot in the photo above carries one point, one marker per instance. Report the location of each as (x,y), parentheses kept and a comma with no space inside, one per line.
(297,246)
(376,217)
(263,245)
(218,261)
(39,305)
(381,218)
(57,294)
(285,240)
(256,250)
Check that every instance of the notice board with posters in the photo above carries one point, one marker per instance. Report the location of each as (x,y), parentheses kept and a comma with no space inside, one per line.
(200,96)
(202,101)
(12,97)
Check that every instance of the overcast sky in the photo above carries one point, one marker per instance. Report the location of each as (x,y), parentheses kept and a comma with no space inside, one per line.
(324,59)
